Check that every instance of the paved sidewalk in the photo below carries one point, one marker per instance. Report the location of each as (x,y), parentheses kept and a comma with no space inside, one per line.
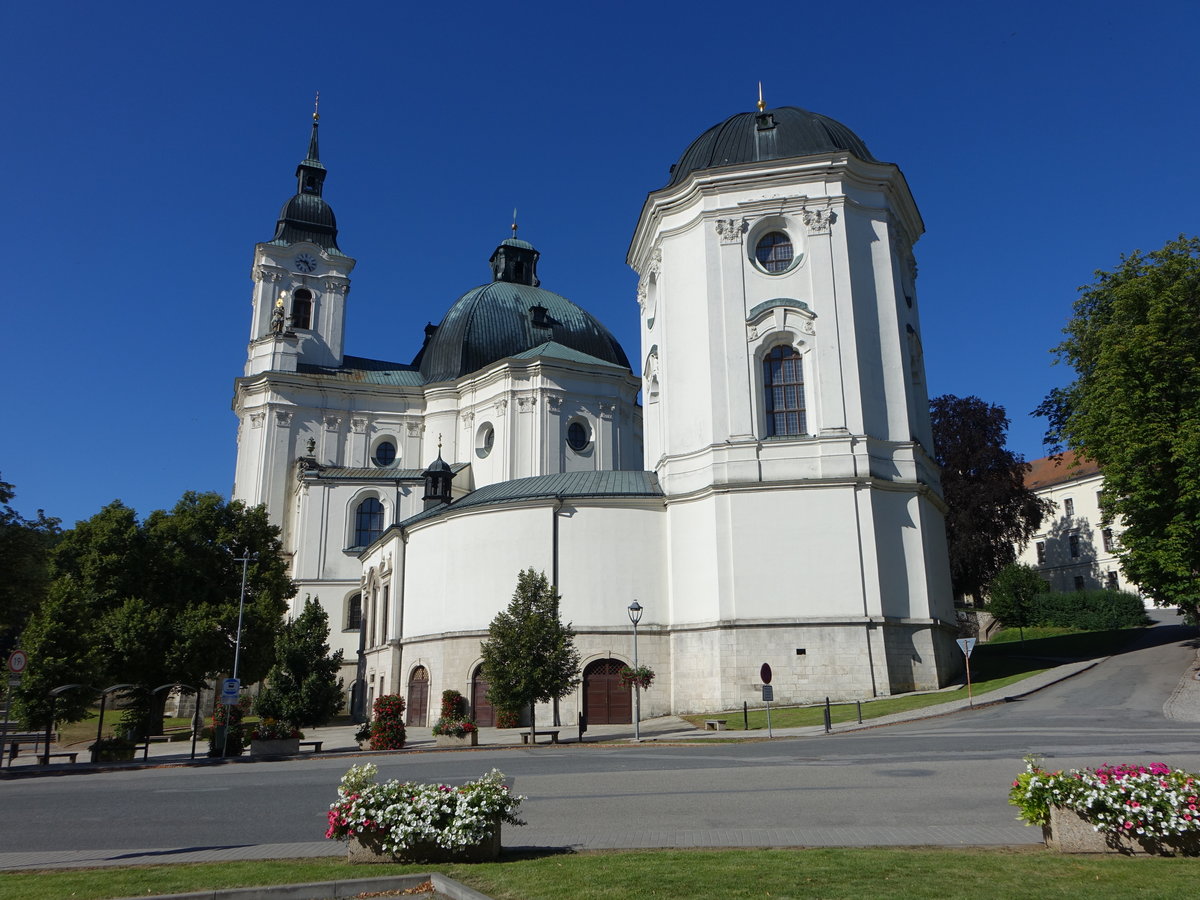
(1184,704)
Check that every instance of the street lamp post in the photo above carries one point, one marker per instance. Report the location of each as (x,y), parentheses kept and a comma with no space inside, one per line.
(635,616)
(237,644)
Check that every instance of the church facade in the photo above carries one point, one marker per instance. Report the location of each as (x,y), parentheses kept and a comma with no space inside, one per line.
(764,488)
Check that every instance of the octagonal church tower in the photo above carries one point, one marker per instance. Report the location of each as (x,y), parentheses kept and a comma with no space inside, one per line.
(786,415)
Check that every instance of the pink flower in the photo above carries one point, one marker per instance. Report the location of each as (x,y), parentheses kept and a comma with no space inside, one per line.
(1128,824)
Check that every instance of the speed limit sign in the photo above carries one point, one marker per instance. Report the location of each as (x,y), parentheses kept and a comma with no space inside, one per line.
(17,661)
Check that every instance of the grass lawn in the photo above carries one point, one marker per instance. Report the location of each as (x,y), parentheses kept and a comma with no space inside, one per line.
(1003,661)
(996,874)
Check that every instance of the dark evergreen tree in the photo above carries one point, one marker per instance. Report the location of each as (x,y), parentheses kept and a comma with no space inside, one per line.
(1012,592)
(530,655)
(303,687)
(1134,408)
(991,513)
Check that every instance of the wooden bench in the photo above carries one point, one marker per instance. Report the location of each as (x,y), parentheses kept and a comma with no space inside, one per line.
(15,739)
(316,745)
(46,757)
(714,724)
(553,735)
(144,744)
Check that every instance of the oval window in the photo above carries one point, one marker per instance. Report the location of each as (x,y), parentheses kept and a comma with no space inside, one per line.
(577,436)
(385,453)
(774,252)
(485,439)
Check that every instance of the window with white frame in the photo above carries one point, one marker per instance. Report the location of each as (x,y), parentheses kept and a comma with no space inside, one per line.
(368,521)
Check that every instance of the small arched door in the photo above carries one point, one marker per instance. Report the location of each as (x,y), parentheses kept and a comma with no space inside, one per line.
(605,700)
(418,697)
(481,708)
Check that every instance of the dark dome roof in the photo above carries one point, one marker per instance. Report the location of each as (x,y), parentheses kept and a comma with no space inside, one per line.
(780,133)
(307,217)
(507,318)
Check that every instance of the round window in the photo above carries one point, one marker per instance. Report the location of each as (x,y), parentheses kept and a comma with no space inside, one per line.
(774,252)
(385,453)
(577,436)
(485,438)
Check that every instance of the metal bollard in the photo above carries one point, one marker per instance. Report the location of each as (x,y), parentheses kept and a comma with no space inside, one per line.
(746,715)
(828,717)
(859,702)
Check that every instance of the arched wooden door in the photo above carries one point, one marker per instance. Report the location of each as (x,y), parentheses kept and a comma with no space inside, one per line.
(418,697)
(481,709)
(605,701)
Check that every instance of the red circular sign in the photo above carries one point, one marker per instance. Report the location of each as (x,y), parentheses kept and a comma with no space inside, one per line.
(765,673)
(17,660)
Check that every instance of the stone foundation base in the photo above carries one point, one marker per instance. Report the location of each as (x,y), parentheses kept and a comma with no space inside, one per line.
(365,849)
(1069,832)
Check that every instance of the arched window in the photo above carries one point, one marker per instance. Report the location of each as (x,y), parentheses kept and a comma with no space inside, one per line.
(302,309)
(783,389)
(354,613)
(368,522)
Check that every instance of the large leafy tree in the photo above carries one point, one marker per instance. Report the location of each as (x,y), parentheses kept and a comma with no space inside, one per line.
(529,656)
(303,687)
(991,514)
(154,602)
(1134,408)
(25,546)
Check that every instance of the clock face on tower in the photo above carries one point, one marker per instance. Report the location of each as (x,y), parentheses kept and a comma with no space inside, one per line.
(305,263)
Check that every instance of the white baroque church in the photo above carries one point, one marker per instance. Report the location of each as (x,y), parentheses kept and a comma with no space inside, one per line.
(765,489)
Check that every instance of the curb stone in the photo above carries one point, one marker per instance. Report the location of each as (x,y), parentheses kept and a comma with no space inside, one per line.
(332,890)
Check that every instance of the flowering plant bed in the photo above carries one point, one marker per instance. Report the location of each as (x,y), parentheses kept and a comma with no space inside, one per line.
(455,728)
(397,820)
(274,730)
(1152,808)
(642,676)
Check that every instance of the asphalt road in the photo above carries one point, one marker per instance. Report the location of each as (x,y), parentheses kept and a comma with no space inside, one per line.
(934,781)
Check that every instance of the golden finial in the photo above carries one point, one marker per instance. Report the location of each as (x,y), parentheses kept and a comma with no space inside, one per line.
(439,444)
(317,108)
(514,224)
(761,104)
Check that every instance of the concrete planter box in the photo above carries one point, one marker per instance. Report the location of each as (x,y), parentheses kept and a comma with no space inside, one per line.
(1069,832)
(364,848)
(280,747)
(470,739)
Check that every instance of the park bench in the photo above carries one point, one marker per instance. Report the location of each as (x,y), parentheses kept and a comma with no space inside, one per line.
(15,739)
(316,745)
(714,724)
(553,735)
(71,755)
(145,743)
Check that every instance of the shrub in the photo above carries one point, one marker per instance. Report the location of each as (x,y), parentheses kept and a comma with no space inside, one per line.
(1012,595)
(1090,610)
(454,721)
(387,725)
(507,718)
(234,740)
(454,705)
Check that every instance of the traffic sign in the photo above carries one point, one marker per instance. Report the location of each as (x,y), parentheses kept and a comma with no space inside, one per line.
(17,661)
(768,693)
(966,645)
(765,673)
(230,689)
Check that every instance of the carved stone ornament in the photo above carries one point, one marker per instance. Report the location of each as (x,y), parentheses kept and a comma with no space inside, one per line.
(606,407)
(283,418)
(818,221)
(731,230)
(262,273)
(468,419)
(501,406)
(256,419)
(337,286)
(807,327)
(526,402)
(415,429)
(555,402)
(358,426)
(333,423)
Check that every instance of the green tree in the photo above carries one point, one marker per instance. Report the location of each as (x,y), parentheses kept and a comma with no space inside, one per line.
(529,656)
(1134,408)
(155,602)
(25,546)
(991,513)
(1011,594)
(303,687)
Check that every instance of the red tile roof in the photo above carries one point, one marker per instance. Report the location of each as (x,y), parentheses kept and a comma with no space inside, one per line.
(1051,470)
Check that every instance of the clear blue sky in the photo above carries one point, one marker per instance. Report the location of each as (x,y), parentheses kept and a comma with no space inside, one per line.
(148,147)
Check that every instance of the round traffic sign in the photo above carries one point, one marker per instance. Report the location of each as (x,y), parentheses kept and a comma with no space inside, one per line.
(17,661)
(765,673)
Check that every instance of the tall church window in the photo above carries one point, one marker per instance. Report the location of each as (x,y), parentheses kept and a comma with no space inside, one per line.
(302,309)
(783,387)
(354,613)
(368,522)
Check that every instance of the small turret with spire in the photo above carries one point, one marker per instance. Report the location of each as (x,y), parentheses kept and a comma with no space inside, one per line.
(310,172)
